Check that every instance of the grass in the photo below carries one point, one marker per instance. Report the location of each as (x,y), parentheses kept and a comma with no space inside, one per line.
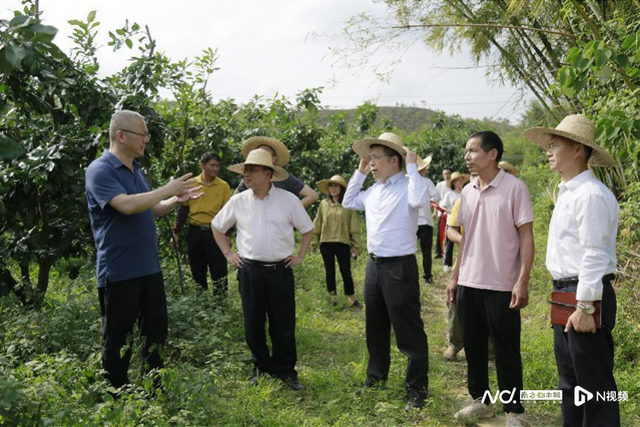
(49,362)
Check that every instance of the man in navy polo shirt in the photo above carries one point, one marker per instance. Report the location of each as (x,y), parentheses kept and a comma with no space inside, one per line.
(122,210)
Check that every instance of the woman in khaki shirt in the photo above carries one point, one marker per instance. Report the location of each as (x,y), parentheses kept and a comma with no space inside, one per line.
(337,231)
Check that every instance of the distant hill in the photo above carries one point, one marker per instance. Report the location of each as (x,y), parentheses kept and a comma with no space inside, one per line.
(407,119)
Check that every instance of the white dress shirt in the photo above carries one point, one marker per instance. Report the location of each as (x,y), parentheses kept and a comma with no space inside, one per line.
(264,227)
(582,234)
(425,215)
(391,210)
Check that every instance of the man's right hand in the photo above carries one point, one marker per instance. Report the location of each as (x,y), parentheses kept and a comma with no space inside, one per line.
(364,167)
(451,290)
(234,258)
(174,241)
(180,186)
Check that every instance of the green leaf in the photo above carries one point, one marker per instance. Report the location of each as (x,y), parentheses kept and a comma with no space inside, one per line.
(135,27)
(10,148)
(622,60)
(628,41)
(569,91)
(581,63)
(74,22)
(92,16)
(605,74)
(14,54)
(129,43)
(602,56)
(19,20)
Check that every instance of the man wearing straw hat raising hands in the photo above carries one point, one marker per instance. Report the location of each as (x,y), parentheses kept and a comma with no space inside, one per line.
(265,218)
(392,290)
(280,157)
(581,257)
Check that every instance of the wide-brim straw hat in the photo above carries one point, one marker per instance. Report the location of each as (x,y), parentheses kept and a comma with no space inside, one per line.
(282,153)
(388,139)
(261,157)
(458,175)
(508,167)
(426,162)
(577,128)
(335,179)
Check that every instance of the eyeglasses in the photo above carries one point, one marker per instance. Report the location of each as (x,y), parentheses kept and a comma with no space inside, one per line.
(376,157)
(145,136)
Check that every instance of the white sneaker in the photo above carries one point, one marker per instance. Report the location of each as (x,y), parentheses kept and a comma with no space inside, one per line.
(516,420)
(474,411)
(446,269)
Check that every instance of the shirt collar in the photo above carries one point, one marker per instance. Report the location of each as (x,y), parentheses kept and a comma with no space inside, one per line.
(200,180)
(111,158)
(395,178)
(495,182)
(575,182)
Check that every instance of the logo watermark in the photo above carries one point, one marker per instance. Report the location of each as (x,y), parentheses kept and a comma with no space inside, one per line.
(580,396)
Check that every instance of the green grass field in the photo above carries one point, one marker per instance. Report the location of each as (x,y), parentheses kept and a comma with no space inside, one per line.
(50,362)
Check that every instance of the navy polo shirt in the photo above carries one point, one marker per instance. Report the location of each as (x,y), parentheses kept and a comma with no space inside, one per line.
(127,245)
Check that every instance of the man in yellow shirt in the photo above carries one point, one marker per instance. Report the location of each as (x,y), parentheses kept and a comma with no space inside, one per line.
(202,249)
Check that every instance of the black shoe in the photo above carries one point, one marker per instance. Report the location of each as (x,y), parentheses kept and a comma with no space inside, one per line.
(428,281)
(253,381)
(356,304)
(414,402)
(294,384)
(438,257)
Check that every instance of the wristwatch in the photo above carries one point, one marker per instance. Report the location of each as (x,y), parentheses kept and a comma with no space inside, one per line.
(587,308)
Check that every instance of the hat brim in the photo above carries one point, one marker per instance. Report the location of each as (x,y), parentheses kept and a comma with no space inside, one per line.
(362,149)
(426,162)
(279,174)
(464,177)
(324,185)
(282,153)
(542,137)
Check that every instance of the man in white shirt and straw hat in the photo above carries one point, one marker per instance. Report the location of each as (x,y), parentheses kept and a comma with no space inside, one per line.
(392,289)
(425,222)
(581,257)
(265,218)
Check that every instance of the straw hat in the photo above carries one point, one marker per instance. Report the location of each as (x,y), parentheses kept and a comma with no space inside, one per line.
(457,175)
(508,167)
(577,128)
(388,139)
(426,162)
(260,157)
(282,153)
(335,179)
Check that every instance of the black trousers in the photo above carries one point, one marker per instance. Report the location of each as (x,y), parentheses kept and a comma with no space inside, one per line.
(392,298)
(586,360)
(269,294)
(425,236)
(439,238)
(330,251)
(486,314)
(448,252)
(122,304)
(205,254)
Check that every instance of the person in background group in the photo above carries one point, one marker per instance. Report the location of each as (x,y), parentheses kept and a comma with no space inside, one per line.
(581,257)
(122,209)
(490,281)
(392,288)
(443,188)
(425,223)
(202,249)
(337,231)
(280,155)
(458,180)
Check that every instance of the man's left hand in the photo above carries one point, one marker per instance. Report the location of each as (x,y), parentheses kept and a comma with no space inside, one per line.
(412,157)
(581,322)
(293,260)
(519,296)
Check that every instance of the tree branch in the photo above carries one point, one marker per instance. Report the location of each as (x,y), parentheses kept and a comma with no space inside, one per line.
(513,27)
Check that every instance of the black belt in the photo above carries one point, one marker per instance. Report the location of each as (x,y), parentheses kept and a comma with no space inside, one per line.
(380,259)
(201,227)
(271,266)
(565,282)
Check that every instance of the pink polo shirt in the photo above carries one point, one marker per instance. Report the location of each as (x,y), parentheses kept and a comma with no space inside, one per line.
(491,217)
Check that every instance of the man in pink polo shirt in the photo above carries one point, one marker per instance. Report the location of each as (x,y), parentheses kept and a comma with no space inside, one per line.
(489,283)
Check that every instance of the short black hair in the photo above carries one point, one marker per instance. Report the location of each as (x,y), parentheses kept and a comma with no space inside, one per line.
(391,153)
(488,141)
(450,169)
(208,156)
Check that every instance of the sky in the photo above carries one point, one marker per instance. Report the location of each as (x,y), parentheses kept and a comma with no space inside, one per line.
(273,47)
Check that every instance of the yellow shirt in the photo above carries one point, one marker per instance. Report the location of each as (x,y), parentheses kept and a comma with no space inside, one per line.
(335,223)
(203,209)
(452,219)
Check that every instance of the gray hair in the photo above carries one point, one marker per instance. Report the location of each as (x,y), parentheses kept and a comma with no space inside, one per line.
(122,119)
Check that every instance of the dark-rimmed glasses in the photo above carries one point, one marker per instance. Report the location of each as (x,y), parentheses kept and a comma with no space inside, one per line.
(145,136)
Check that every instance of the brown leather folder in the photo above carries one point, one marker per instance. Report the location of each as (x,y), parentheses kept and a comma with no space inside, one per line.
(563,304)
